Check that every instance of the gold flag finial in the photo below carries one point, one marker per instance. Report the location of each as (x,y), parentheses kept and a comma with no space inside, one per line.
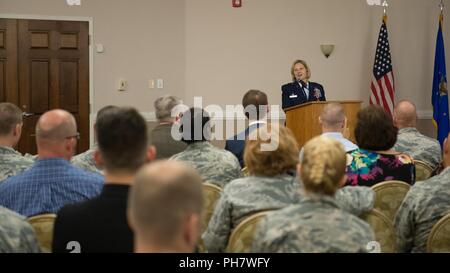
(385,5)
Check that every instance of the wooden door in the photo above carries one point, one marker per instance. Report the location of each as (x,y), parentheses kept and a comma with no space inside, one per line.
(8,61)
(53,72)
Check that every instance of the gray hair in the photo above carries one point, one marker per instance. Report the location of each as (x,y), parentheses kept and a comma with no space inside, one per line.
(164,106)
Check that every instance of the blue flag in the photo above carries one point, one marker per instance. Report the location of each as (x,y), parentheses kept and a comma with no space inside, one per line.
(439,97)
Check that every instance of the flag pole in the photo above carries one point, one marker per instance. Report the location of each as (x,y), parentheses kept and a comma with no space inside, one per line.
(385,5)
(441,16)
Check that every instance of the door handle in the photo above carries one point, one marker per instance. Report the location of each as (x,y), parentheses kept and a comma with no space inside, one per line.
(26,114)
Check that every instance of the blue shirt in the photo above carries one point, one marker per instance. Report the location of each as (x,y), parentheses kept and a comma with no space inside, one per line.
(47,186)
(348,145)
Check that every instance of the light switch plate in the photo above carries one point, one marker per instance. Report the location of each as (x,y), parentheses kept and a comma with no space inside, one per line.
(159,83)
(122,85)
(99,48)
(151,84)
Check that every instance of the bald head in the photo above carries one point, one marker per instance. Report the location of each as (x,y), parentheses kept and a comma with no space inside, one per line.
(55,125)
(332,118)
(405,114)
(52,131)
(164,198)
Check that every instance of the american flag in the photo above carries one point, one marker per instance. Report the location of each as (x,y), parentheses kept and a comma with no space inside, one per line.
(382,85)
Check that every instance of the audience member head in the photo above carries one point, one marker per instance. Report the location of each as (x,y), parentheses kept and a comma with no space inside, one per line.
(255,104)
(164,207)
(10,124)
(122,141)
(99,115)
(195,126)
(374,129)
(300,71)
(405,114)
(104,110)
(164,107)
(281,159)
(332,118)
(323,166)
(56,134)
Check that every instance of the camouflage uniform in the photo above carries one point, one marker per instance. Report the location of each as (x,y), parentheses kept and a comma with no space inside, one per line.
(243,197)
(85,161)
(316,224)
(214,165)
(426,203)
(16,235)
(12,162)
(355,200)
(418,146)
(246,196)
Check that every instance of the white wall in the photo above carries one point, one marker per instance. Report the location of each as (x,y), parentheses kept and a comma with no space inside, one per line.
(207,48)
(229,51)
(143,39)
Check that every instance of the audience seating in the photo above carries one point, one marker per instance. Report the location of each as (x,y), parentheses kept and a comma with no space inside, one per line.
(423,170)
(211,194)
(43,226)
(389,197)
(241,238)
(439,238)
(384,231)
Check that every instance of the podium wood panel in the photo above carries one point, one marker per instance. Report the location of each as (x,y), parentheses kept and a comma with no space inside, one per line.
(303,119)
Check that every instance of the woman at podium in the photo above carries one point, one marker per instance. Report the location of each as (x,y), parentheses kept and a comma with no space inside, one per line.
(301,90)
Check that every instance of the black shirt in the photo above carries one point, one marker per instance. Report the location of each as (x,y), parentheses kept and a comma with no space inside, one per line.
(98,225)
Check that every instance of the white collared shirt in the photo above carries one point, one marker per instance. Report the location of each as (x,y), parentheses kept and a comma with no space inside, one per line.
(348,145)
(257,122)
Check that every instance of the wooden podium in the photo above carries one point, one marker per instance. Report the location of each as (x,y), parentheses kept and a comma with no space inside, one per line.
(303,119)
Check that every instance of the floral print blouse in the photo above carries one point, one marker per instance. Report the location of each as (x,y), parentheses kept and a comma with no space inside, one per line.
(367,168)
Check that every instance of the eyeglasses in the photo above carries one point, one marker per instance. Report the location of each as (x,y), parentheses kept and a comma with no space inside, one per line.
(77,136)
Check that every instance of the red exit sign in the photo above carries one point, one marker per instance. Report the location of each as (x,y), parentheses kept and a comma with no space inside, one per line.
(237,3)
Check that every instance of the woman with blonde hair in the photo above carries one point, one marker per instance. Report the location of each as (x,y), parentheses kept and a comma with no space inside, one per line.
(301,89)
(316,223)
(271,156)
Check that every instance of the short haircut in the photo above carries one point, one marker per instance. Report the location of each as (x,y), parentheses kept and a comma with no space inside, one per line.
(104,110)
(375,130)
(122,139)
(164,106)
(332,115)
(323,165)
(308,71)
(55,125)
(10,116)
(255,104)
(405,113)
(270,163)
(164,193)
(195,126)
